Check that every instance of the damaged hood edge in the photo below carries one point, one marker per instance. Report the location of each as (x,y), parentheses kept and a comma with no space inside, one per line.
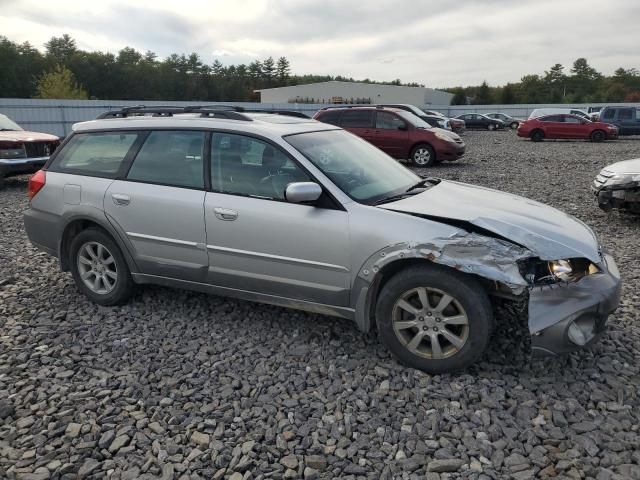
(547,232)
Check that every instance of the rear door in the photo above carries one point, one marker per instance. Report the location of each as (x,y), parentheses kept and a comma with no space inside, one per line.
(359,122)
(391,134)
(259,242)
(159,205)
(553,126)
(627,120)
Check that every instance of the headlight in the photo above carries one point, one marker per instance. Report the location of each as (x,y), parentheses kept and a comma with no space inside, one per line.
(445,137)
(570,270)
(13,153)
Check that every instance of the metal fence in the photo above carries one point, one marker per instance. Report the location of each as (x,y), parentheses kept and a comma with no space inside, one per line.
(58,116)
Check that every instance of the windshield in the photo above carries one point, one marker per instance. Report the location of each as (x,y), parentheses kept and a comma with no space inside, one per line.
(6,124)
(414,120)
(359,169)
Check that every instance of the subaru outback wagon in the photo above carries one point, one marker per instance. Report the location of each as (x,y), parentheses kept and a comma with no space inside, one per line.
(299,213)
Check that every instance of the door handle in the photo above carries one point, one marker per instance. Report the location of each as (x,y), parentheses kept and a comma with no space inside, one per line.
(225,213)
(120,199)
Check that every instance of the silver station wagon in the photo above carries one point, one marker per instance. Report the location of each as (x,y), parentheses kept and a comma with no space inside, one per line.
(284,210)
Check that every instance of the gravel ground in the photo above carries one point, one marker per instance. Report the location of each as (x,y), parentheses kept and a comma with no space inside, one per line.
(183,385)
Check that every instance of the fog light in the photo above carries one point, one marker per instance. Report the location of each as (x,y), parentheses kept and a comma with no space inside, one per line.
(581,331)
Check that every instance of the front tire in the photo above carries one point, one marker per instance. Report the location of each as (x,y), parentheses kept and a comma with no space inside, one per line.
(434,319)
(99,268)
(598,136)
(514,125)
(491,127)
(423,155)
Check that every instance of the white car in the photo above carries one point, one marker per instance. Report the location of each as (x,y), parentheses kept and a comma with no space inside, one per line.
(618,186)
(542,112)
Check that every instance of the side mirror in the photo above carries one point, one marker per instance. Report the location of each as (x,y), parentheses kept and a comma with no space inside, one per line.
(403,127)
(301,192)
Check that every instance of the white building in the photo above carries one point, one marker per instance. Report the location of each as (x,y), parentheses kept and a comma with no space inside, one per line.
(354,92)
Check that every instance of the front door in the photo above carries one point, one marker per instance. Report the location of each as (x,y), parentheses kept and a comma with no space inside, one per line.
(260,243)
(392,135)
(159,206)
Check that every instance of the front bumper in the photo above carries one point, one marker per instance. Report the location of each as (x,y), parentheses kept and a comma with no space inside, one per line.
(624,196)
(566,317)
(20,166)
(451,152)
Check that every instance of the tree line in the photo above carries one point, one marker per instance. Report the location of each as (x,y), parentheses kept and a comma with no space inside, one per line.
(582,84)
(65,71)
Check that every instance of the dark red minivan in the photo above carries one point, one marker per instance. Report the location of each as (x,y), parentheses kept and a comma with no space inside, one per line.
(399,133)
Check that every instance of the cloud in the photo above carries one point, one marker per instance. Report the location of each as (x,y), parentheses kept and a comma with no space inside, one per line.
(437,42)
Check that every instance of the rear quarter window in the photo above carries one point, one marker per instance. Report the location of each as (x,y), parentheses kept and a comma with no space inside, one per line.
(95,154)
(332,117)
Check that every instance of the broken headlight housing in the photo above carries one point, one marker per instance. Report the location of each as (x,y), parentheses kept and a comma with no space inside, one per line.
(541,272)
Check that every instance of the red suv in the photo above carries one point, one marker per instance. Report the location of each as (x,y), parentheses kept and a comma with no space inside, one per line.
(566,126)
(399,133)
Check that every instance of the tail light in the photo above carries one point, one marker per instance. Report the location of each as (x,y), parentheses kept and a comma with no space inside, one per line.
(36,183)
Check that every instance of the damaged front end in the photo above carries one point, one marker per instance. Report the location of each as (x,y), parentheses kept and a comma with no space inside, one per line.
(563,303)
(618,186)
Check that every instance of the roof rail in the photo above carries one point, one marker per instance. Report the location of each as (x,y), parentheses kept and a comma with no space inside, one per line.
(288,113)
(218,111)
(353,106)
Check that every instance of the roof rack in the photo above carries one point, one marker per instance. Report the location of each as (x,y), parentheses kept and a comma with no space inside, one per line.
(218,111)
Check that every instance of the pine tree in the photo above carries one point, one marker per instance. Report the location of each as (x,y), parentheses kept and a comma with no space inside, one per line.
(283,69)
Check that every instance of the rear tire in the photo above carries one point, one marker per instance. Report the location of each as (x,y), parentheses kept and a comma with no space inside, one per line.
(423,334)
(99,268)
(423,155)
(598,136)
(537,136)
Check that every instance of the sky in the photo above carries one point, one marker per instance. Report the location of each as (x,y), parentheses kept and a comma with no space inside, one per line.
(438,43)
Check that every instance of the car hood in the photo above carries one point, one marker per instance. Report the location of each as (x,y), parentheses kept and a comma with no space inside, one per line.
(626,166)
(25,136)
(548,233)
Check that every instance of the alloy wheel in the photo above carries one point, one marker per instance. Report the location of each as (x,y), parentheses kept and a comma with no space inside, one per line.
(422,156)
(430,323)
(97,268)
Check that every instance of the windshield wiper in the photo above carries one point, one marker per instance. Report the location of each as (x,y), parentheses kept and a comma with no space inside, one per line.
(392,198)
(423,183)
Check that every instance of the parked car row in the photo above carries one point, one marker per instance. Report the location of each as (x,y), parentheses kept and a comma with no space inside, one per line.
(397,132)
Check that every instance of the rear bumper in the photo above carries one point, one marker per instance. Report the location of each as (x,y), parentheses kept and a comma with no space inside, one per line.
(42,230)
(567,317)
(20,166)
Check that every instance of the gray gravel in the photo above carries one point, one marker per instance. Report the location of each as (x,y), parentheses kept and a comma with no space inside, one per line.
(183,385)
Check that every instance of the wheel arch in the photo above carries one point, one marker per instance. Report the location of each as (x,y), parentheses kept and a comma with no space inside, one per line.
(78,223)
(492,270)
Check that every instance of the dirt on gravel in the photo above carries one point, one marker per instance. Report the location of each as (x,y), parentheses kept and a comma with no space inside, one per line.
(183,385)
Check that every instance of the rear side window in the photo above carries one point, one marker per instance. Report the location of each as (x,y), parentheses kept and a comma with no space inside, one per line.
(552,118)
(331,116)
(608,114)
(625,114)
(171,158)
(357,119)
(95,154)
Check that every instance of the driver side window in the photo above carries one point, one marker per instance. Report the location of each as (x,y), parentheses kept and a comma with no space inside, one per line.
(249,166)
(388,121)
